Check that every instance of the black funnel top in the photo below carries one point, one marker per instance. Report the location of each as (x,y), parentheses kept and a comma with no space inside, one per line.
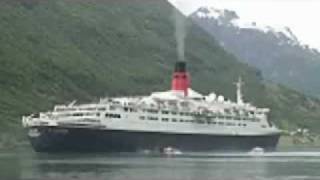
(180,66)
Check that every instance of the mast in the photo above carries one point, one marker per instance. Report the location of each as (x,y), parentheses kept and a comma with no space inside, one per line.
(239,90)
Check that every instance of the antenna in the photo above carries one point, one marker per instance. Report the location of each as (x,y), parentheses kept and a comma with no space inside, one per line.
(72,103)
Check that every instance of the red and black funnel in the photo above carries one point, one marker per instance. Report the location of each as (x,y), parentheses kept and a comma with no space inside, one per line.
(181,78)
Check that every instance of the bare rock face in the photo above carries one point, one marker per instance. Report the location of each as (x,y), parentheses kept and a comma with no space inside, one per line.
(277,52)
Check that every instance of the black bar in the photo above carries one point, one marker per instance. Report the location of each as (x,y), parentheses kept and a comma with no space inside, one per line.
(180,66)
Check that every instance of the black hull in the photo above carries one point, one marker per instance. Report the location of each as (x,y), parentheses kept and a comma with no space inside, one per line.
(95,140)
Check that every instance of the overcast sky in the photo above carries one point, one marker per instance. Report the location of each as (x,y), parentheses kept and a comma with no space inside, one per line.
(301,16)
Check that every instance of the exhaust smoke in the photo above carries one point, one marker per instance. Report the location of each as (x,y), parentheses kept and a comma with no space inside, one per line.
(180,33)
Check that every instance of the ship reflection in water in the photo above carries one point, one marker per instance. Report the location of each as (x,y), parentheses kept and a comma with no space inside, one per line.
(200,166)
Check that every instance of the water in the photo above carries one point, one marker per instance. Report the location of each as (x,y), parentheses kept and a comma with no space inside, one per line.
(293,164)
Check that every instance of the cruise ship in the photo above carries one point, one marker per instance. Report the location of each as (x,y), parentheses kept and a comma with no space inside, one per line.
(180,118)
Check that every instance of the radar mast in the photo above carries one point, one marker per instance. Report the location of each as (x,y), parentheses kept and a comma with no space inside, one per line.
(239,85)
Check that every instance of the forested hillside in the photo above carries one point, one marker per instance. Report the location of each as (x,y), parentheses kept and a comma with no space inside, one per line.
(57,51)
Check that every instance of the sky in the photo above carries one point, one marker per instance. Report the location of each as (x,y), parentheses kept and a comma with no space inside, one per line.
(301,16)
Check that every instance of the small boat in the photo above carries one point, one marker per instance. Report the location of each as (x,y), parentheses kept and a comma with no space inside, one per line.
(171,151)
(257,151)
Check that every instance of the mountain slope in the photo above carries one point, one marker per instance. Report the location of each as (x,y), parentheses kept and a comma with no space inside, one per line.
(57,51)
(277,52)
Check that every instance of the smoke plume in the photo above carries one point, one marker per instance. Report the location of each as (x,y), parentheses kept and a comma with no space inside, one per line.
(180,25)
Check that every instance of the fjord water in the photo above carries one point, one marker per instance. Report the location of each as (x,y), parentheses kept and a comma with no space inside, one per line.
(293,164)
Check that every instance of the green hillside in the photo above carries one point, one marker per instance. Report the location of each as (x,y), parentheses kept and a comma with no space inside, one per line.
(57,51)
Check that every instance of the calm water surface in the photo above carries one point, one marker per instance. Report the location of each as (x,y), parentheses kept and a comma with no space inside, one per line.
(283,165)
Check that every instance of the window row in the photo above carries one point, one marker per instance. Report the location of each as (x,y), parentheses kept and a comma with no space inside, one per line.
(192,121)
(202,116)
(85,114)
(88,120)
(81,109)
(78,114)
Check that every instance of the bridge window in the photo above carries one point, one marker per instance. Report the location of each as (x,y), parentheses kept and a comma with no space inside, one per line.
(152,118)
(152,111)
(102,109)
(77,114)
(165,112)
(165,119)
(113,115)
